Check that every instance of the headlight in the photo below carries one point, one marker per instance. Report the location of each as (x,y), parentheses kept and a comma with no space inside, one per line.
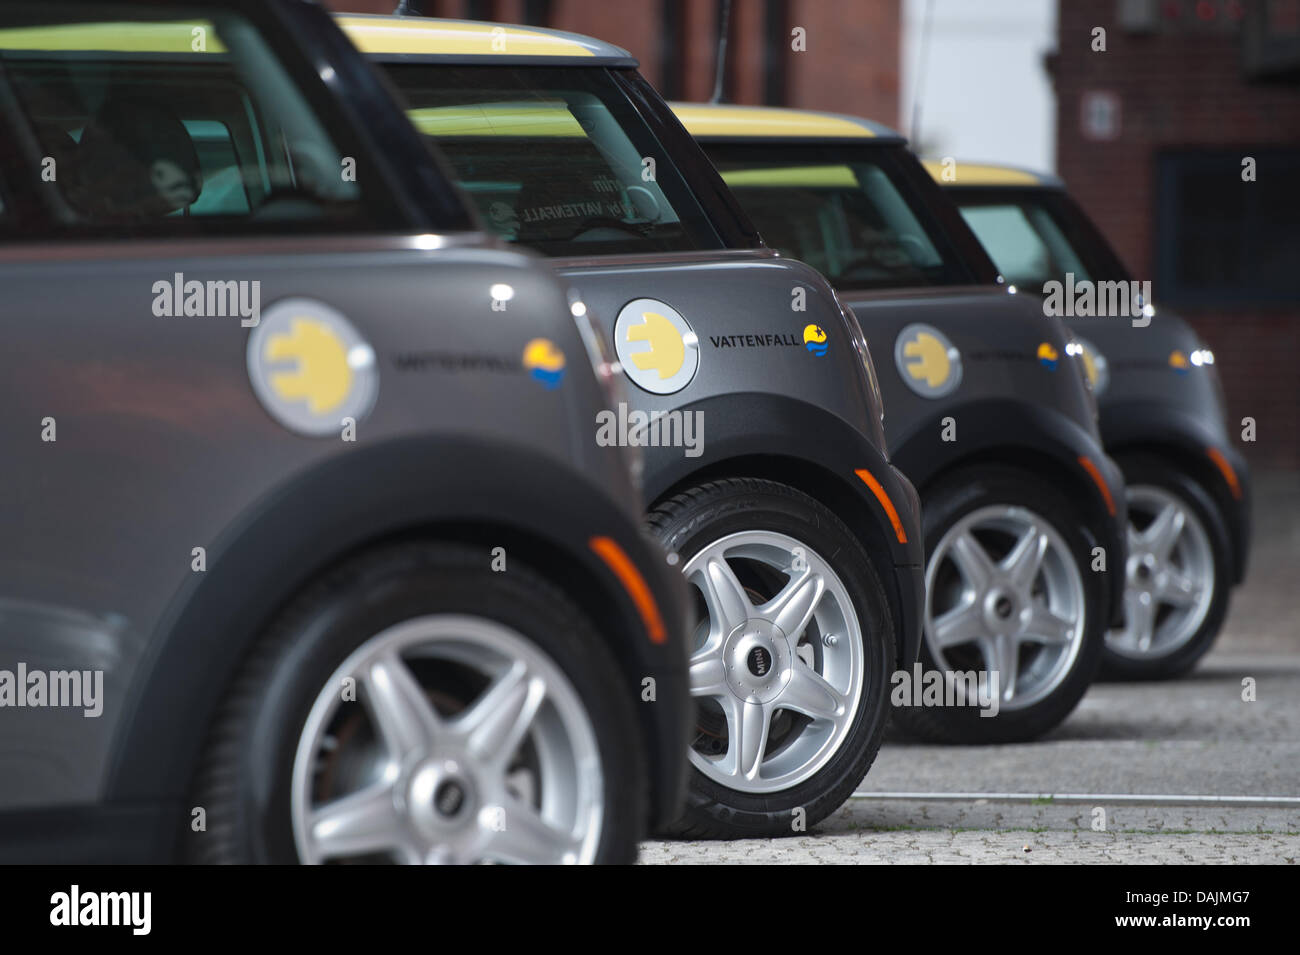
(1203,359)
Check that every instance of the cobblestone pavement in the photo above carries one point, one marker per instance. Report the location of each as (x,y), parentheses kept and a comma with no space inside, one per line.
(1189,737)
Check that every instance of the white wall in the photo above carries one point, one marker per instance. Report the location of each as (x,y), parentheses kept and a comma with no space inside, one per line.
(984,93)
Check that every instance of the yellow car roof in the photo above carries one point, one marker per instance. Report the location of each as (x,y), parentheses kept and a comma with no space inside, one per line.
(723,121)
(175,36)
(989,174)
(384,37)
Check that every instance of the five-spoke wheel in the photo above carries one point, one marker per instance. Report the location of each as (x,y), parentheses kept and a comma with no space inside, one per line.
(462,743)
(412,706)
(1177,577)
(777,669)
(792,655)
(1012,603)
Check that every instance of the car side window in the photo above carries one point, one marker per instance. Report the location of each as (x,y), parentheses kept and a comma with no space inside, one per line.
(156,122)
(555,159)
(850,220)
(1024,243)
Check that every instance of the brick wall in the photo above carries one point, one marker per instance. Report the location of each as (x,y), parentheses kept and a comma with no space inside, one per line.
(1182,86)
(850,65)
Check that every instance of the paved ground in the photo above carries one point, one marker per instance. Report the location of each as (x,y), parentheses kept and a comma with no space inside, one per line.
(1192,737)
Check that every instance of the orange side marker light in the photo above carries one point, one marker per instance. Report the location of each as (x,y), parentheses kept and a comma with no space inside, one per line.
(1229,474)
(1095,474)
(608,550)
(870,481)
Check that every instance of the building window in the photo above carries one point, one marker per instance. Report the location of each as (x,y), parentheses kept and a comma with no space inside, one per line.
(1221,240)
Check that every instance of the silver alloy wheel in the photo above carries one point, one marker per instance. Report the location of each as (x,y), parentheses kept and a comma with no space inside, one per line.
(1003,593)
(460,741)
(1169,576)
(778,662)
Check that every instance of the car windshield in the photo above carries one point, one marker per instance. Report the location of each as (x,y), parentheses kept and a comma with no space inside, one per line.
(185,117)
(842,210)
(556,159)
(1024,240)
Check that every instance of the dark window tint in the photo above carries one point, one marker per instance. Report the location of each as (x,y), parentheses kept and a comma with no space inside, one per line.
(164,119)
(556,159)
(1220,239)
(843,210)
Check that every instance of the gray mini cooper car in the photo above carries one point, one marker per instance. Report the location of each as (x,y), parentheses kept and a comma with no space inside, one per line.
(990,416)
(1163,414)
(751,388)
(309,552)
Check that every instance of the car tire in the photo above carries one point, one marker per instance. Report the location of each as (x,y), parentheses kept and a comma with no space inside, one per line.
(973,519)
(836,667)
(1197,554)
(455,628)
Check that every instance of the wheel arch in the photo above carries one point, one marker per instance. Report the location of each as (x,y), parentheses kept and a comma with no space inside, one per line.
(495,496)
(1039,440)
(1188,455)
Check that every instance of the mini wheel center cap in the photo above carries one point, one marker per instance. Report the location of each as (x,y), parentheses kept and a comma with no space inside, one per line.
(1142,571)
(1000,610)
(757,656)
(439,795)
(449,798)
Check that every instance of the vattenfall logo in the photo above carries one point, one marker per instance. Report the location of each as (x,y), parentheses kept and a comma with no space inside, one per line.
(656,346)
(814,339)
(545,362)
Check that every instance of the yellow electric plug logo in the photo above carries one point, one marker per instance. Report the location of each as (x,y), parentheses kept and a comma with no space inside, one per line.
(931,364)
(321,375)
(656,346)
(667,351)
(927,361)
(310,368)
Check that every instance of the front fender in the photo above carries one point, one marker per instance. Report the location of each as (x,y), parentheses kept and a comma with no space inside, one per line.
(1040,439)
(800,444)
(1187,439)
(459,487)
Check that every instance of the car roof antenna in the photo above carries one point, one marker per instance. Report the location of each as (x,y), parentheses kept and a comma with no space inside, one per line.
(724,25)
